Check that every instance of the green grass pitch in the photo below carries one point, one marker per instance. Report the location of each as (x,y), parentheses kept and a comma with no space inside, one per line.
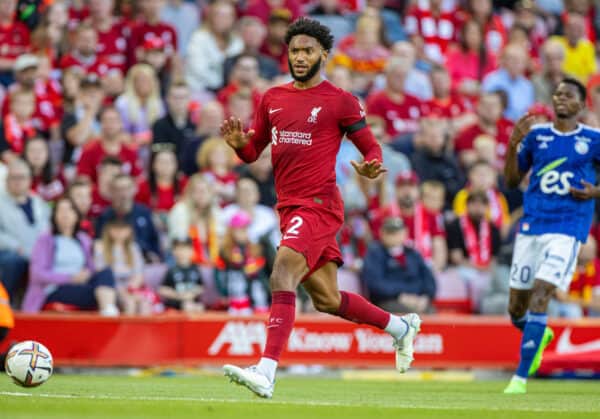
(108,397)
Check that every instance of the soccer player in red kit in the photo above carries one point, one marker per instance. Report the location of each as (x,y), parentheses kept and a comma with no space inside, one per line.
(305,121)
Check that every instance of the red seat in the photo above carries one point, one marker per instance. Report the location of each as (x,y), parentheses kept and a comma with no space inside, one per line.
(463,306)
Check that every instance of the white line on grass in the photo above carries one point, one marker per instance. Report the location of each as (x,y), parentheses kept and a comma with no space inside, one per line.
(259,400)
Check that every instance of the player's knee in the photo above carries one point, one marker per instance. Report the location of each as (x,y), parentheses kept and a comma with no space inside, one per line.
(517,309)
(540,297)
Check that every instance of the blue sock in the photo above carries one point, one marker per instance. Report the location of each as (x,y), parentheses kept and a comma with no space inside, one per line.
(532,336)
(520,322)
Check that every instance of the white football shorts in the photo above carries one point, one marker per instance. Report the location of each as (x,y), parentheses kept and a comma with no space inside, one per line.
(550,257)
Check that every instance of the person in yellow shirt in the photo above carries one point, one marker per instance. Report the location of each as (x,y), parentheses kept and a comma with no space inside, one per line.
(483,177)
(580,57)
(7,320)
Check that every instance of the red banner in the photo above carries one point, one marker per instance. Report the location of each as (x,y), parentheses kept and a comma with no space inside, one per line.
(214,339)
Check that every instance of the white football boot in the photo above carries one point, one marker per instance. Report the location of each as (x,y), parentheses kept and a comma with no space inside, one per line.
(405,345)
(251,378)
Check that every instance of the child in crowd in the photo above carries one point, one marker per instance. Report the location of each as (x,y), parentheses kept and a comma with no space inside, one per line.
(242,278)
(216,161)
(182,286)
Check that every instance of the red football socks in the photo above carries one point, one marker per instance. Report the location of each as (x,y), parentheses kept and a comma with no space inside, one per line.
(358,310)
(281,321)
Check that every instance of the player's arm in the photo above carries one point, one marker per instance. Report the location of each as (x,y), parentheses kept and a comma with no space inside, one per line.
(513,168)
(588,191)
(354,125)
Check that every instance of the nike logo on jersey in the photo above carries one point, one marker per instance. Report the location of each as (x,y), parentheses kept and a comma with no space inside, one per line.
(565,346)
(271,110)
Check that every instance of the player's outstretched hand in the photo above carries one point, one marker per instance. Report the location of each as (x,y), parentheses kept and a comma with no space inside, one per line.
(233,133)
(589,191)
(371,169)
(522,127)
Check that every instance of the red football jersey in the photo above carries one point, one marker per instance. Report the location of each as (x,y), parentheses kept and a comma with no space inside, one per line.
(112,44)
(97,64)
(401,118)
(437,31)
(305,128)
(94,153)
(144,30)
(451,107)
(14,40)
(465,139)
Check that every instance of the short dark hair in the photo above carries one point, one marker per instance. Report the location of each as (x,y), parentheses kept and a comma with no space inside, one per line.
(111,161)
(478,196)
(580,87)
(312,28)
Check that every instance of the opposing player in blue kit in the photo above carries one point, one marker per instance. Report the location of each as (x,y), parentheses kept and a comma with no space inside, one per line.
(558,210)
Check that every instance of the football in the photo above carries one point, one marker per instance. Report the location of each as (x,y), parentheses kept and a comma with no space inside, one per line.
(29,363)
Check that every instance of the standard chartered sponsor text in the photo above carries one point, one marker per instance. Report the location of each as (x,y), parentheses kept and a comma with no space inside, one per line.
(295,137)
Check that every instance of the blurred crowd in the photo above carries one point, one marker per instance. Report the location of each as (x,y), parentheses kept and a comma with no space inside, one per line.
(119,195)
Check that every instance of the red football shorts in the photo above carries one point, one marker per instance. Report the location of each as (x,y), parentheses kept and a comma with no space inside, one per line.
(312,232)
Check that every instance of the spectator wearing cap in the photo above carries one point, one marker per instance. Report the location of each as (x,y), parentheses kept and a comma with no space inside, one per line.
(546,81)
(150,25)
(510,78)
(489,122)
(395,275)
(154,54)
(473,244)
(46,114)
(425,229)
(182,286)
(184,17)
(176,127)
(399,109)
(431,159)
(84,53)
(241,275)
(14,38)
(81,125)
(274,45)
(111,143)
(23,217)
(580,55)
(209,46)
(253,32)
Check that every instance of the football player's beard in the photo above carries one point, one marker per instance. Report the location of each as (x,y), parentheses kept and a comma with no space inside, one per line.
(312,70)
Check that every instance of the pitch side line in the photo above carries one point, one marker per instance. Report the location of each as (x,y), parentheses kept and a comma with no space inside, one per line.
(288,403)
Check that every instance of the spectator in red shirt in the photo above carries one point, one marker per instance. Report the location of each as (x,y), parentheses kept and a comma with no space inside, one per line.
(109,168)
(400,110)
(47,183)
(426,232)
(111,143)
(150,26)
(245,79)
(18,126)
(491,122)
(80,192)
(112,31)
(84,54)
(163,186)
(494,31)
(263,9)
(469,61)
(438,27)
(154,54)
(14,38)
(452,107)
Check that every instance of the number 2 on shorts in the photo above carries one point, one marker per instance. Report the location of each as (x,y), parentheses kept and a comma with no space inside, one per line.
(296,222)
